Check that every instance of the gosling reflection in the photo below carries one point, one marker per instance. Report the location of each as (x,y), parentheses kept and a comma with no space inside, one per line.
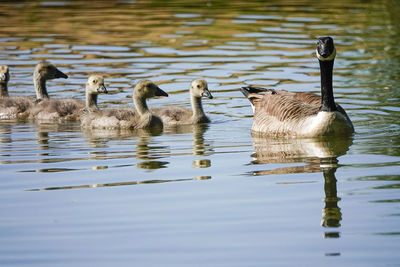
(146,151)
(149,154)
(199,145)
(201,163)
(200,148)
(49,148)
(197,178)
(317,155)
(5,134)
(5,143)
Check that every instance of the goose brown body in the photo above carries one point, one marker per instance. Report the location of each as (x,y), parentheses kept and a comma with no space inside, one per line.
(284,113)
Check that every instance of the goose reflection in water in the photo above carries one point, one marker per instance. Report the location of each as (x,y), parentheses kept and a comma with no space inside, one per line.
(199,145)
(98,138)
(319,155)
(50,148)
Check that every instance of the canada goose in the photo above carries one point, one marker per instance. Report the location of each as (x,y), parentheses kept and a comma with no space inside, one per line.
(178,116)
(127,118)
(12,107)
(279,112)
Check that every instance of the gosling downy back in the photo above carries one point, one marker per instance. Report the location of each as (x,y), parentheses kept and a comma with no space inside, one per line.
(180,116)
(128,118)
(282,113)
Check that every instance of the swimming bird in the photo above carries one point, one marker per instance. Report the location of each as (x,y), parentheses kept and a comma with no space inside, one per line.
(284,113)
(94,87)
(43,72)
(50,110)
(22,107)
(179,116)
(15,107)
(47,109)
(127,118)
(4,78)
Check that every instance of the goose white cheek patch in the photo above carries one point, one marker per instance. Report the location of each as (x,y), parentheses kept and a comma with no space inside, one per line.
(330,58)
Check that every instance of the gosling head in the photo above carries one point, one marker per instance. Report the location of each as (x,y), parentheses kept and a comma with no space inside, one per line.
(95,85)
(4,74)
(47,71)
(199,88)
(326,50)
(147,89)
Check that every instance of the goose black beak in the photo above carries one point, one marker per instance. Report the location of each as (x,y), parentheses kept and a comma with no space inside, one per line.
(102,89)
(60,74)
(207,94)
(160,92)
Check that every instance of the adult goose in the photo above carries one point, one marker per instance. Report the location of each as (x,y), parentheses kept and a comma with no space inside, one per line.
(283,113)
(127,118)
(172,116)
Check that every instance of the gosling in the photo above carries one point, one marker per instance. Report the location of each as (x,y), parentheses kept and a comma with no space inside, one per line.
(173,116)
(127,118)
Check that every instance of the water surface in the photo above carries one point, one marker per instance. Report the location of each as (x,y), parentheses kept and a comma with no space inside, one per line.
(211,194)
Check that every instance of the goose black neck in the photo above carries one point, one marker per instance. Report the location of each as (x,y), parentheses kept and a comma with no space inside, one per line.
(328,101)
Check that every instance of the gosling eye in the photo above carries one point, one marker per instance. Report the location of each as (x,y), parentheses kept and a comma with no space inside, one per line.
(198,86)
(94,81)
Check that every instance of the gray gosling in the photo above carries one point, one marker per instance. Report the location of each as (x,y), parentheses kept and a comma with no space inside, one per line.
(15,107)
(127,118)
(52,110)
(172,116)
(94,87)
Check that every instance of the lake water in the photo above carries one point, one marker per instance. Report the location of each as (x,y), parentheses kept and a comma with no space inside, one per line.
(208,195)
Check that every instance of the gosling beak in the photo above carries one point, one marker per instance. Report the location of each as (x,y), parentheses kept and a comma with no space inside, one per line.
(207,94)
(102,89)
(160,92)
(60,74)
